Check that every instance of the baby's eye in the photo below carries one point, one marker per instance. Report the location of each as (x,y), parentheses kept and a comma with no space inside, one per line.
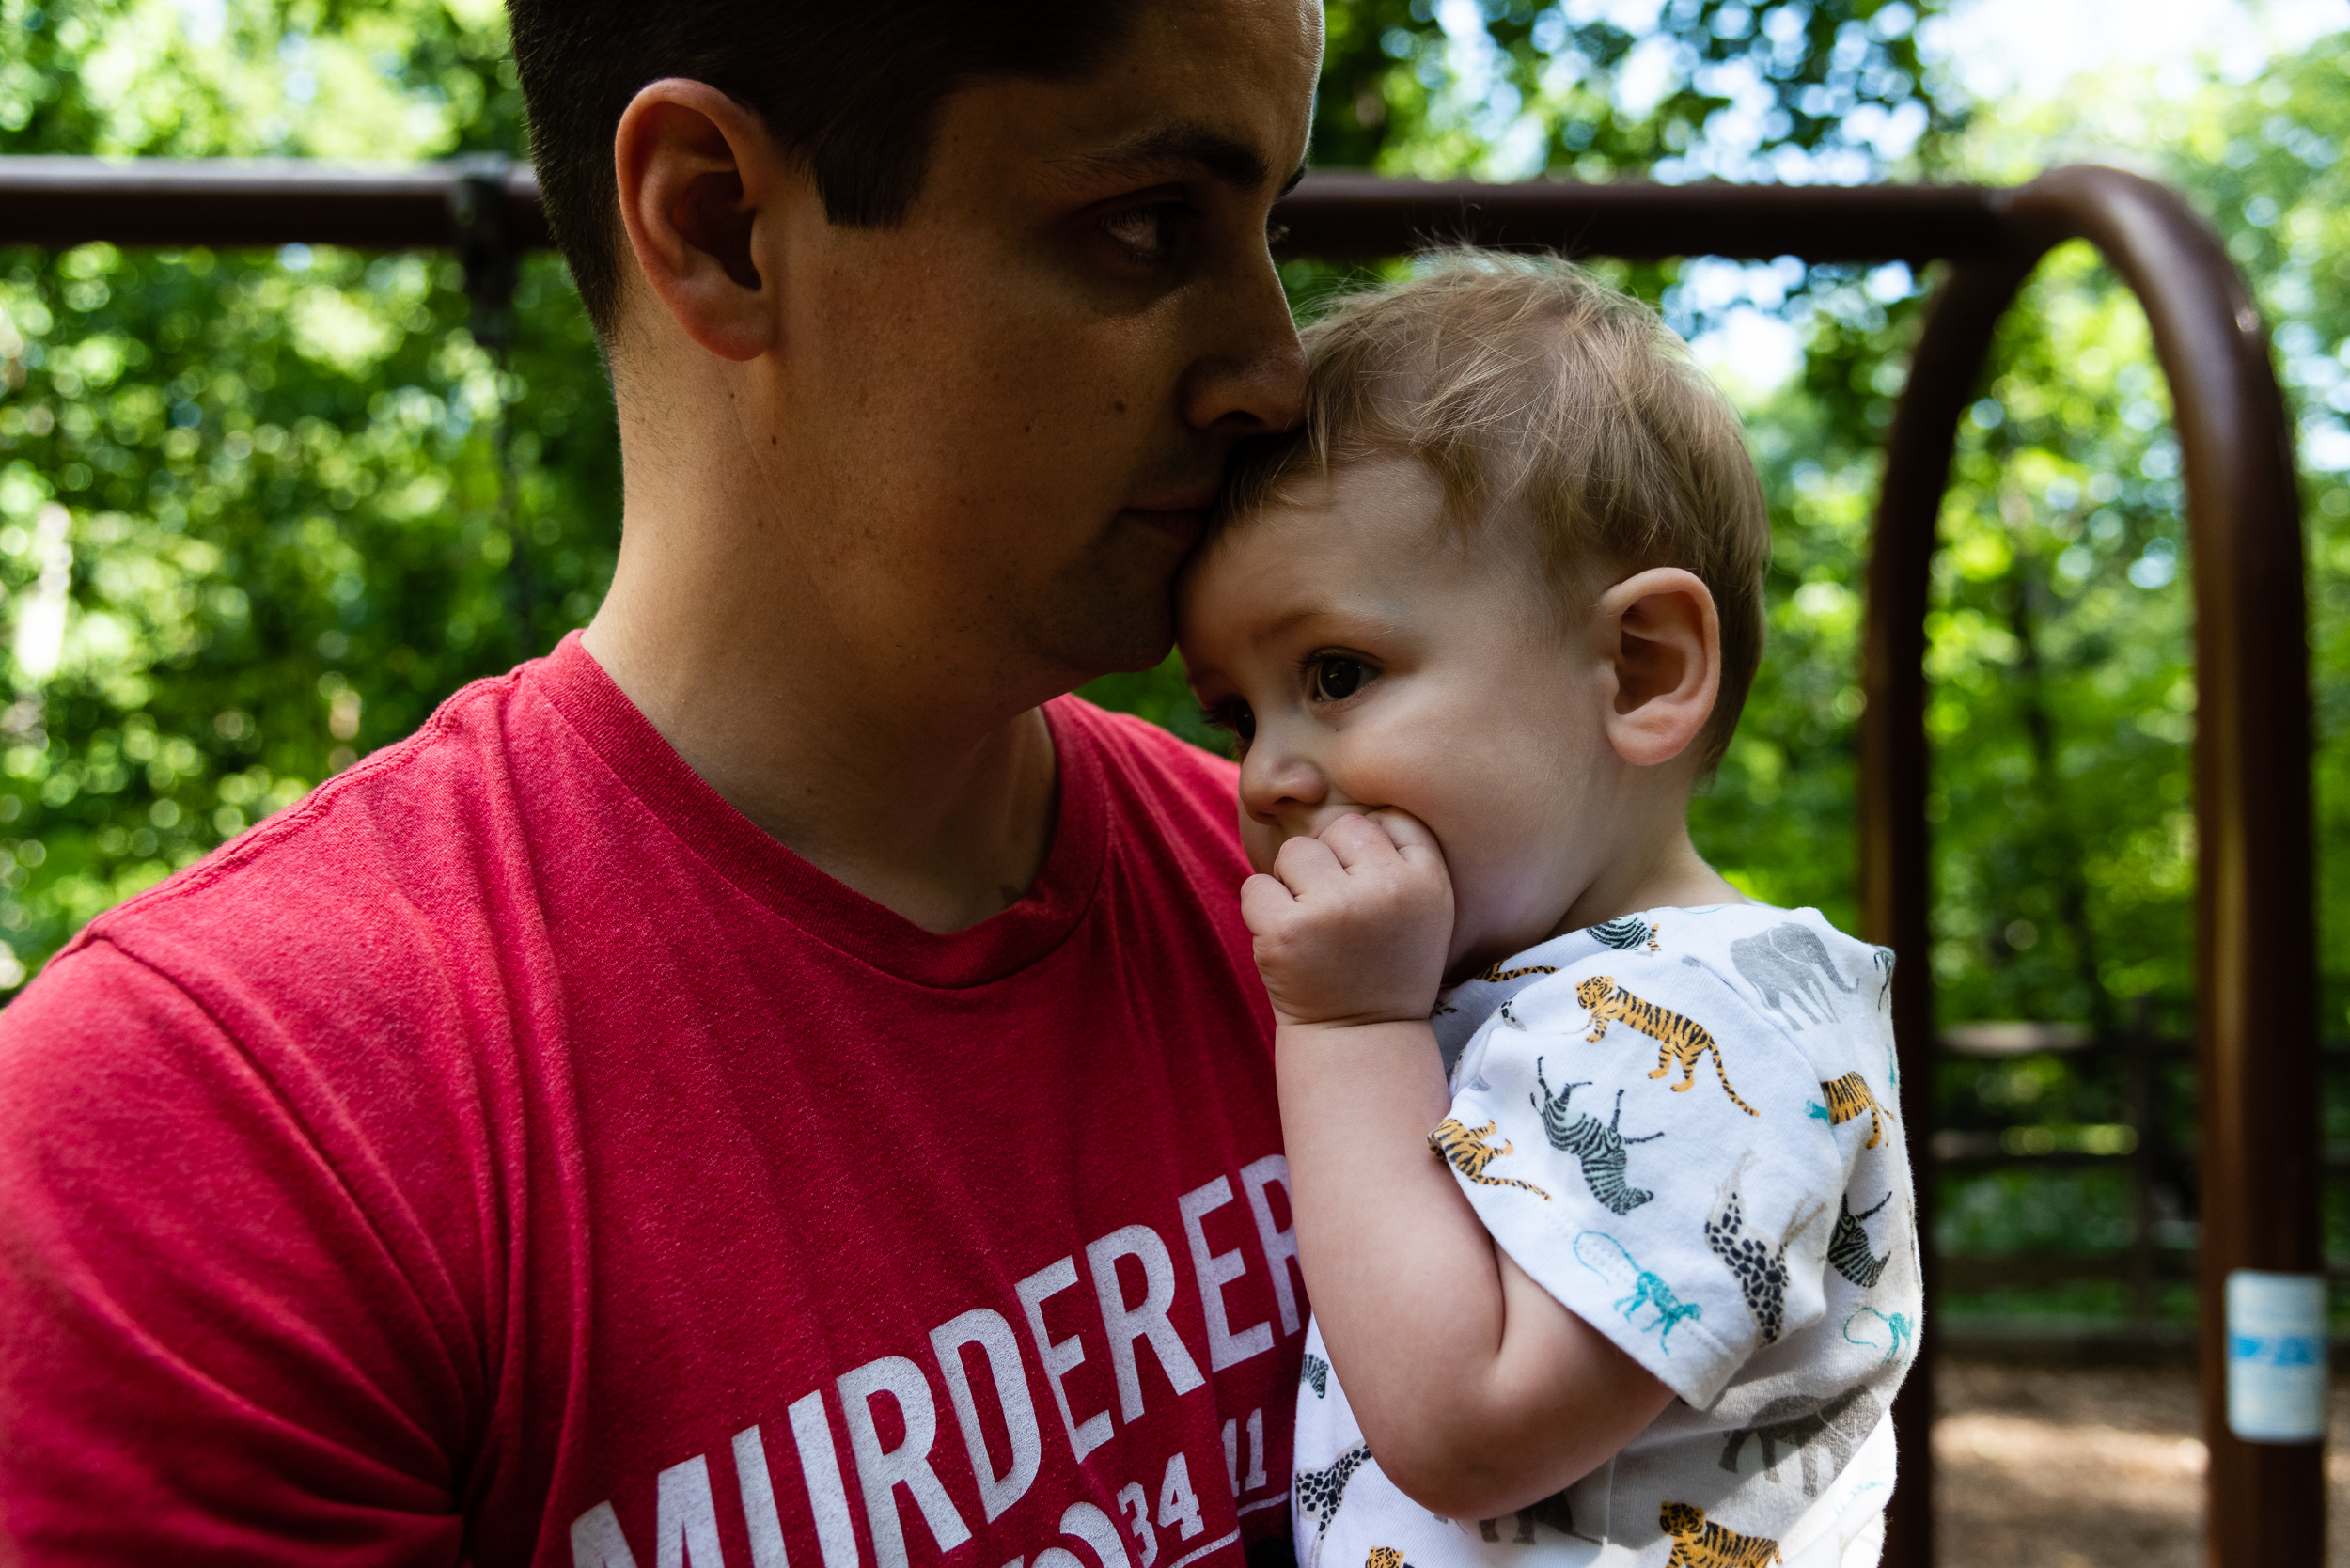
(1336,677)
(1234,716)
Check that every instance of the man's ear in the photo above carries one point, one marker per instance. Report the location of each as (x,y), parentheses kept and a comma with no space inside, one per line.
(698,178)
(1662,639)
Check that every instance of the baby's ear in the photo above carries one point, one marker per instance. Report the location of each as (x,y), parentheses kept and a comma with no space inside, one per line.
(1662,638)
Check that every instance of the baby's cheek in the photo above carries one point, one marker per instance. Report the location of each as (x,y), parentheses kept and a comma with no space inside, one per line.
(1501,894)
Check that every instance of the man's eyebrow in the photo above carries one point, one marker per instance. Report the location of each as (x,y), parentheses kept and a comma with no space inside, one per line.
(1230,160)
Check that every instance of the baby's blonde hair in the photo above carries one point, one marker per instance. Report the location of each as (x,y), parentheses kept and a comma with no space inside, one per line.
(1545,401)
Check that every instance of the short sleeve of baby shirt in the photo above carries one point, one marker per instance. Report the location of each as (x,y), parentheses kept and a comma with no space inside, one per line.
(1645,1141)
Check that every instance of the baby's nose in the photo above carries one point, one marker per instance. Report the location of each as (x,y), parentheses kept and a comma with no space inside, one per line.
(1281,788)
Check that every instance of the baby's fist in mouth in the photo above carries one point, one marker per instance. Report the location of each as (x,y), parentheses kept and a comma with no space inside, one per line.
(1351,925)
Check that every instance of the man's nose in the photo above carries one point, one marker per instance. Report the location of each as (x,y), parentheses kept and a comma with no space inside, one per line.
(1250,374)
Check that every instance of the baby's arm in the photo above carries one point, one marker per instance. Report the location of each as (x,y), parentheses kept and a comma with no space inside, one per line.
(1478,1392)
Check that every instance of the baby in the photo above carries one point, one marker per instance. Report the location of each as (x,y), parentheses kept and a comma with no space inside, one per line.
(1478,628)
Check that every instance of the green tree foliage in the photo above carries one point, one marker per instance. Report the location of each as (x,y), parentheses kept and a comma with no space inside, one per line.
(254,515)
(1717,87)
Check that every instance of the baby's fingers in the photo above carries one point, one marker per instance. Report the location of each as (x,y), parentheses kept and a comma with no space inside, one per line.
(1356,842)
(1263,902)
(1394,849)
(1307,866)
(1408,834)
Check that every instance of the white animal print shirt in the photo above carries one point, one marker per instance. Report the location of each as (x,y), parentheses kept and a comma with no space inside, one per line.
(1682,1124)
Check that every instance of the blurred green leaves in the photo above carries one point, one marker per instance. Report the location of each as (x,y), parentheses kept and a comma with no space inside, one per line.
(1742,88)
(253,516)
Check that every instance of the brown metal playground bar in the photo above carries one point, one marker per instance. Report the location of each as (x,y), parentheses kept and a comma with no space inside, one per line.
(2256,1040)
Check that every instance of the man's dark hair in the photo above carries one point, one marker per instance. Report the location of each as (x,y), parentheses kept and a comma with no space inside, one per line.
(854,89)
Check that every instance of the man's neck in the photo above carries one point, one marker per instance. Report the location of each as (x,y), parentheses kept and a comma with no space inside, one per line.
(891,781)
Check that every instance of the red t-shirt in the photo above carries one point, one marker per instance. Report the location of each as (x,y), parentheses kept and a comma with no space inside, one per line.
(510,1153)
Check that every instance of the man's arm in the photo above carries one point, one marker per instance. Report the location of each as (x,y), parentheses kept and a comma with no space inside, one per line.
(1476,1391)
(208,1352)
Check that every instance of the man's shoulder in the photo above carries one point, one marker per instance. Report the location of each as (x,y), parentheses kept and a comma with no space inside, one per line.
(1169,811)
(404,829)
(1157,774)
(1139,745)
(375,878)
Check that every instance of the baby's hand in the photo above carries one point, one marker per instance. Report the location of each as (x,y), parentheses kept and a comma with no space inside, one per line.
(1353,925)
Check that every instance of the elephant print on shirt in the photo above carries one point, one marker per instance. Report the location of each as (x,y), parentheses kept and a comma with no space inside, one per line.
(1781,964)
(1796,1422)
(1553,1510)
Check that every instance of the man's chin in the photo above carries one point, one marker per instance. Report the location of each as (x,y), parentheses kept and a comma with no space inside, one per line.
(1128,647)
(1110,634)
(1120,617)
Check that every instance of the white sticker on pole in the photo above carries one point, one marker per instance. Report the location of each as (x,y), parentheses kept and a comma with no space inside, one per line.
(2276,1357)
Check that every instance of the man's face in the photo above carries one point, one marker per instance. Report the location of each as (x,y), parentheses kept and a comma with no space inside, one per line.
(1015,407)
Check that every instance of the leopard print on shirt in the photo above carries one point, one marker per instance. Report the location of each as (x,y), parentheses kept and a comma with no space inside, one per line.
(1320,1492)
(1760,1268)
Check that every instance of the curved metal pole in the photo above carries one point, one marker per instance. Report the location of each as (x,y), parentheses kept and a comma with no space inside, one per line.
(2255,955)
(1897,880)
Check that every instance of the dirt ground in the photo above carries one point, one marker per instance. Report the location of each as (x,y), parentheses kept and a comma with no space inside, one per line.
(2037,1468)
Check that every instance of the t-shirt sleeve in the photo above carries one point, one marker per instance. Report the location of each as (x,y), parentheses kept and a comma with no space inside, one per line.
(1639,1140)
(206,1352)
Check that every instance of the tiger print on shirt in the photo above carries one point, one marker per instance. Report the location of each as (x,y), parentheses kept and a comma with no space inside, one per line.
(1685,1040)
(1699,1544)
(1848,1097)
(1470,1149)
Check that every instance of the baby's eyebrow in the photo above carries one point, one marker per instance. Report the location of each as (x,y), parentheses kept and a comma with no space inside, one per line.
(1377,618)
(1291,620)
